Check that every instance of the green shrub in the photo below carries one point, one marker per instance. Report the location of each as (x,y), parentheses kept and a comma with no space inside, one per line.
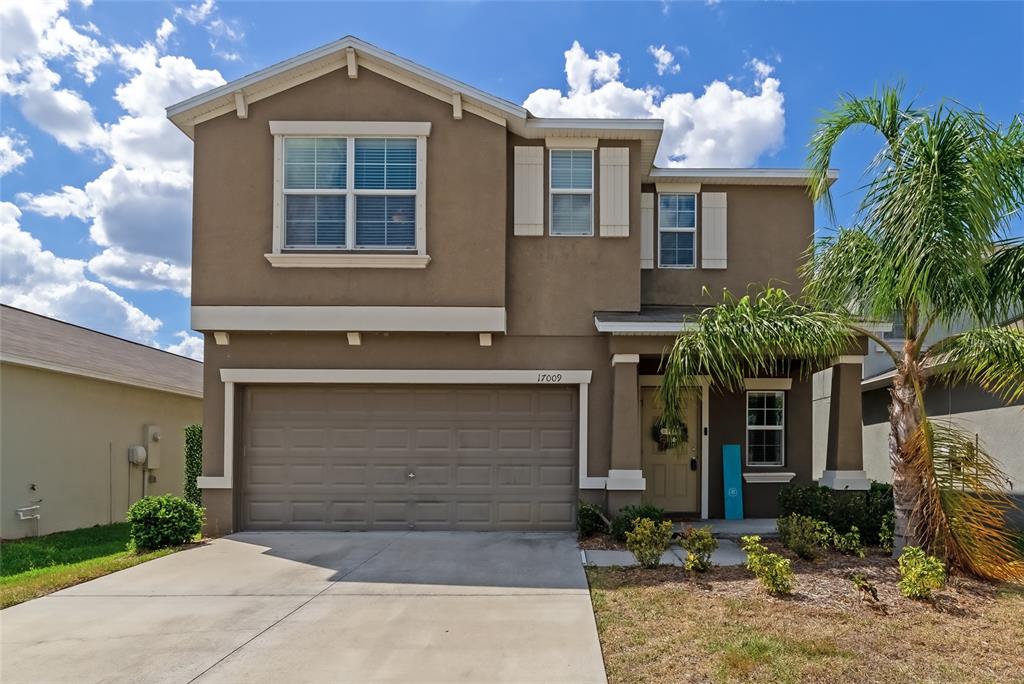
(699,544)
(193,463)
(774,572)
(848,543)
(156,522)
(624,522)
(804,535)
(887,535)
(843,510)
(648,540)
(920,574)
(590,520)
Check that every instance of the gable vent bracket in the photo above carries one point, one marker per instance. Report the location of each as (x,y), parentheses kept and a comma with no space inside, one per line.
(350,60)
(457,105)
(241,106)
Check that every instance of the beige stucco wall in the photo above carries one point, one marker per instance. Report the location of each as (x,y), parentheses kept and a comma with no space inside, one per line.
(69,435)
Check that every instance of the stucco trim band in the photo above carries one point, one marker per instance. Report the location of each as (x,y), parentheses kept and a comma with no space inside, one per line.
(474,319)
(768,383)
(346,128)
(643,327)
(312,260)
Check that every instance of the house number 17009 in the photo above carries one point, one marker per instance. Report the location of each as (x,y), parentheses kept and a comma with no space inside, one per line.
(549,377)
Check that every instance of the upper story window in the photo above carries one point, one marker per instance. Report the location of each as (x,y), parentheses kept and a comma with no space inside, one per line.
(320,199)
(766,428)
(350,193)
(677,230)
(572,192)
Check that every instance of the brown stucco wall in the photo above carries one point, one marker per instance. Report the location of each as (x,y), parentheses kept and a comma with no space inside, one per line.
(69,436)
(556,283)
(768,229)
(437,351)
(728,426)
(233,203)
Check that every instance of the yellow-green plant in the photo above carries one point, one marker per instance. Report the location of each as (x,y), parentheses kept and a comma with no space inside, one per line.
(920,574)
(699,544)
(648,540)
(773,571)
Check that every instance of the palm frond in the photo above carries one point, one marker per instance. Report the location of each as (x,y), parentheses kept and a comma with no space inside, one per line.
(991,357)
(963,503)
(841,272)
(750,337)
(1005,274)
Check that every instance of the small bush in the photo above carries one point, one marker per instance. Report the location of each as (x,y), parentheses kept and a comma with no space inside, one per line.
(648,540)
(699,544)
(773,571)
(629,514)
(193,463)
(843,510)
(848,543)
(920,574)
(887,535)
(804,535)
(156,522)
(590,520)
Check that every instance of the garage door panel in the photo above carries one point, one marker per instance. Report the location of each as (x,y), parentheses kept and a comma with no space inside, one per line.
(340,457)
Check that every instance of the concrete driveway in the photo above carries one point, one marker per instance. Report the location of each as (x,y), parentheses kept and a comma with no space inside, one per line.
(321,607)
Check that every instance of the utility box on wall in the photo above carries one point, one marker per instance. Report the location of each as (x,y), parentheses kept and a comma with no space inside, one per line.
(152,436)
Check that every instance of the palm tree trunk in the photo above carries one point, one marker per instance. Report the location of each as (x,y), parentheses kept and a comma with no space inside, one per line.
(904,419)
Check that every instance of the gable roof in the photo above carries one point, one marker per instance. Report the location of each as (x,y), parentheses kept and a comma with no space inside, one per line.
(352,53)
(28,339)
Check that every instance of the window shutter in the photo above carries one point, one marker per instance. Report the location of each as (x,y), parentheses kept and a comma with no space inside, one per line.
(528,203)
(647,230)
(713,230)
(614,191)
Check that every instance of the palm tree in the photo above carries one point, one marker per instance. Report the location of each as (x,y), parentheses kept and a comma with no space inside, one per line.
(930,244)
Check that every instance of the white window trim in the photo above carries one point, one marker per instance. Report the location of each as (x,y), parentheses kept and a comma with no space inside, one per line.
(774,428)
(661,229)
(553,191)
(349,255)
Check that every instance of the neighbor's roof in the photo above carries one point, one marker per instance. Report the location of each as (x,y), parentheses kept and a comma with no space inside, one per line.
(334,56)
(28,339)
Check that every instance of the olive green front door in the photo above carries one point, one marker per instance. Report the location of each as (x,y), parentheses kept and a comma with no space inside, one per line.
(671,465)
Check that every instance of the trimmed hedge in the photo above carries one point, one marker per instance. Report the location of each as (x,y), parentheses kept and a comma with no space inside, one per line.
(843,510)
(193,463)
(156,522)
(630,514)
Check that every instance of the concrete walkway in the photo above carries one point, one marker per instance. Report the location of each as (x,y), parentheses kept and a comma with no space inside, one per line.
(317,607)
(728,553)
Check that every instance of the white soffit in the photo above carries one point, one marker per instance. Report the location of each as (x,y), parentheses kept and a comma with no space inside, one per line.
(735,176)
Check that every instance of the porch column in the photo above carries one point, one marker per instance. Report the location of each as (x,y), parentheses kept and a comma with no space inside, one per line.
(844,455)
(625,478)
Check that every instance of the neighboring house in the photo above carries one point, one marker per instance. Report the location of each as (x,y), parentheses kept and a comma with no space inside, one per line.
(424,307)
(998,427)
(72,402)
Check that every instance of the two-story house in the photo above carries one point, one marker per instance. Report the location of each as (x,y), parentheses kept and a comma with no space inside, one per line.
(426,308)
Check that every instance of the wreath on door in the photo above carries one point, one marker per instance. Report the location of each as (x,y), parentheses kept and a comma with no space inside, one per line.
(669,437)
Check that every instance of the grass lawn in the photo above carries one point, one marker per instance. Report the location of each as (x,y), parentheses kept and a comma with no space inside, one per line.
(661,626)
(36,566)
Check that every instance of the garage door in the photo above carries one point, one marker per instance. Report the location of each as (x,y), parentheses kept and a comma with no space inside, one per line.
(398,457)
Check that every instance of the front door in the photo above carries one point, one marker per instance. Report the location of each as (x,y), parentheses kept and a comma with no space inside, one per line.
(672,471)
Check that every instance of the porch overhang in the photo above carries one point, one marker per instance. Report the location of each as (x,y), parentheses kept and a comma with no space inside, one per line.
(649,320)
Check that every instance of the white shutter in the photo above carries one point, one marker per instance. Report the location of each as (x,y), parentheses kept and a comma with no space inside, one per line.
(528,203)
(614,191)
(713,230)
(647,230)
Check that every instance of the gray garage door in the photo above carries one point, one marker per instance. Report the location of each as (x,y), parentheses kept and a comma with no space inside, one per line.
(394,457)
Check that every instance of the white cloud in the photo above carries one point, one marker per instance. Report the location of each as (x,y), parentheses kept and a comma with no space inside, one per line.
(37,280)
(762,70)
(187,345)
(14,151)
(723,126)
(163,33)
(217,27)
(197,13)
(664,60)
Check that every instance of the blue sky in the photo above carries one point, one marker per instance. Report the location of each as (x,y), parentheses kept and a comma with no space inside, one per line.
(96,191)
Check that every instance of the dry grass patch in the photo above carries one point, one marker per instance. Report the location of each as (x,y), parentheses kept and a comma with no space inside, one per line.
(662,626)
